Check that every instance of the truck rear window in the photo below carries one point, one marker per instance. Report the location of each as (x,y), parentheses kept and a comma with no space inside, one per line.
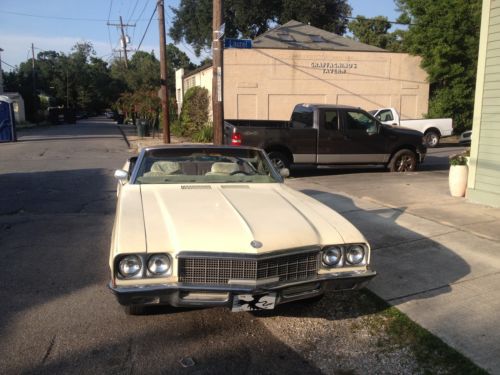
(302,117)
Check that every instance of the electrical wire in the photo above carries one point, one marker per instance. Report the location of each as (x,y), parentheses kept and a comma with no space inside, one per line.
(57,17)
(6,63)
(133,11)
(147,27)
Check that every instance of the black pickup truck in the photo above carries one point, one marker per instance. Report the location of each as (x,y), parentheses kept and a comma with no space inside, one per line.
(330,134)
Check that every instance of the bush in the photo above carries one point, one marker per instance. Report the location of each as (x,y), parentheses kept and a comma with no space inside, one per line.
(460,159)
(205,134)
(176,128)
(194,114)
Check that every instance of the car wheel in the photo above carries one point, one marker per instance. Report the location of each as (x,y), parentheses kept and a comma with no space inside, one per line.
(279,160)
(134,310)
(431,138)
(403,161)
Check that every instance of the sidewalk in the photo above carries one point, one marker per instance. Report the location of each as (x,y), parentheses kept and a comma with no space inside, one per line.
(437,257)
(135,143)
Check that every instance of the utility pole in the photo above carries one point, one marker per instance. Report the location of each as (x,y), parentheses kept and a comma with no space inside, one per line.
(1,72)
(33,73)
(217,79)
(123,39)
(163,73)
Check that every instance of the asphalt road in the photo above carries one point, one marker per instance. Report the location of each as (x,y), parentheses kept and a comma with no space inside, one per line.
(57,201)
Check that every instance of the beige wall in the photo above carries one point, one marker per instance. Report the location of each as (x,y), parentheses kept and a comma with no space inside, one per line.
(203,79)
(267,83)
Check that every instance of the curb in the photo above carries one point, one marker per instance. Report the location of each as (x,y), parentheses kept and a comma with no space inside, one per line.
(123,135)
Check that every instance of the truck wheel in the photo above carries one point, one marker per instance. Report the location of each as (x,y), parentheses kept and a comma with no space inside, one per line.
(431,138)
(279,160)
(403,161)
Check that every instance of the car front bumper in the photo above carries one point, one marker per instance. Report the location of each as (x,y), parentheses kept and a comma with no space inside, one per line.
(191,295)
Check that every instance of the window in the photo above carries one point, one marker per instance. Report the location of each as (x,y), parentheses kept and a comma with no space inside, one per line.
(302,117)
(357,123)
(385,115)
(331,120)
(316,38)
(286,37)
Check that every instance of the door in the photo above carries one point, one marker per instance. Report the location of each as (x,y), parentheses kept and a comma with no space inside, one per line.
(350,137)
(6,122)
(331,141)
(363,141)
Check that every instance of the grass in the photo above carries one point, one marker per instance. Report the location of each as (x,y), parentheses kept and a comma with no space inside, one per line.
(430,351)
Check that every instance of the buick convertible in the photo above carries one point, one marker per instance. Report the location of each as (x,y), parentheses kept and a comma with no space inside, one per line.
(200,226)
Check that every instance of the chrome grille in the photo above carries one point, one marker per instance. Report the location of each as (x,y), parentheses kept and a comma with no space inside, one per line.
(217,271)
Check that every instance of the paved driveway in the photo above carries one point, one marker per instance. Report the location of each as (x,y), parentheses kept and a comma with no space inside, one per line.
(437,257)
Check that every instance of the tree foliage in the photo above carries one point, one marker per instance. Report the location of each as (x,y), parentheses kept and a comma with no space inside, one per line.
(194,114)
(446,35)
(81,81)
(375,32)
(193,18)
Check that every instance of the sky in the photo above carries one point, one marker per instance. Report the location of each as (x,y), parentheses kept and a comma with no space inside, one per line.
(59,24)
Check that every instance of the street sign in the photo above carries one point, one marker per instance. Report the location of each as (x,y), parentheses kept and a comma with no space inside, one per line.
(237,43)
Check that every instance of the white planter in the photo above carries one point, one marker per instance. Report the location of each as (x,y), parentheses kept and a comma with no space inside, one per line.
(458,180)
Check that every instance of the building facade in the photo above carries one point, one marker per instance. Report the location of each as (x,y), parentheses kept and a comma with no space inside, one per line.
(298,63)
(484,165)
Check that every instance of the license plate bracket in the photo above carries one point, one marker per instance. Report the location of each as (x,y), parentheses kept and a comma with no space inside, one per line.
(249,302)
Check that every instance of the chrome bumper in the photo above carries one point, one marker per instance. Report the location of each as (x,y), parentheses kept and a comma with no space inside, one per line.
(192,295)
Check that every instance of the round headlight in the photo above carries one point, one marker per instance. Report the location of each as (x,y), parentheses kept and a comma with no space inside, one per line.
(159,264)
(355,254)
(332,256)
(130,265)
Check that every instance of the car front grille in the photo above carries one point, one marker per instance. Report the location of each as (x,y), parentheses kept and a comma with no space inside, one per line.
(219,270)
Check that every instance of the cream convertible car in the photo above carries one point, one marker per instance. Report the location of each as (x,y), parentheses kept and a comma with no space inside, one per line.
(216,226)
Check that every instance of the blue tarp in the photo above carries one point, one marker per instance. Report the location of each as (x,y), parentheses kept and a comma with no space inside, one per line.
(7,129)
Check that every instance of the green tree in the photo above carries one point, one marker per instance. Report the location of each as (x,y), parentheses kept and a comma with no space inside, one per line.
(192,20)
(375,32)
(446,35)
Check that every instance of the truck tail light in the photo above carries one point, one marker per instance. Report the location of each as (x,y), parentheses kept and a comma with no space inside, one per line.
(236,139)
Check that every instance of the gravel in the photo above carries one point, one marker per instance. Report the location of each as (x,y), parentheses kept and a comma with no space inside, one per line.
(341,334)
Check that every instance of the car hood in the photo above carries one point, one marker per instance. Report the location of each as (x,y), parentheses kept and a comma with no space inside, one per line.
(230,218)
(403,131)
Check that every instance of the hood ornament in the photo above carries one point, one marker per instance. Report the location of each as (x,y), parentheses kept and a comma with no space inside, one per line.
(256,244)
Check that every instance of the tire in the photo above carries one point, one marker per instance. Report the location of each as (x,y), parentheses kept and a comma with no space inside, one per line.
(431,138)
(403,161)
(134,309)
(279,160)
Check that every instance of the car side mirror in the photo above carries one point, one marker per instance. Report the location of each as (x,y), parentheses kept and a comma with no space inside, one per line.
(121,175)
(284,172)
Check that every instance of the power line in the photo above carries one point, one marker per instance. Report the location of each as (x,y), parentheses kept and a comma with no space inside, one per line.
(377,19)
(147,27)
(146,3)
(142,11)
(56,17)
(6,63)
(133,11)
(110,6)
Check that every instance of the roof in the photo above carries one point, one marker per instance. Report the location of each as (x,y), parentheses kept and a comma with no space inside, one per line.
(197,70)
(297,35)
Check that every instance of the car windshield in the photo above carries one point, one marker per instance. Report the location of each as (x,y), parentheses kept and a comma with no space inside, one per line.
(204,165)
